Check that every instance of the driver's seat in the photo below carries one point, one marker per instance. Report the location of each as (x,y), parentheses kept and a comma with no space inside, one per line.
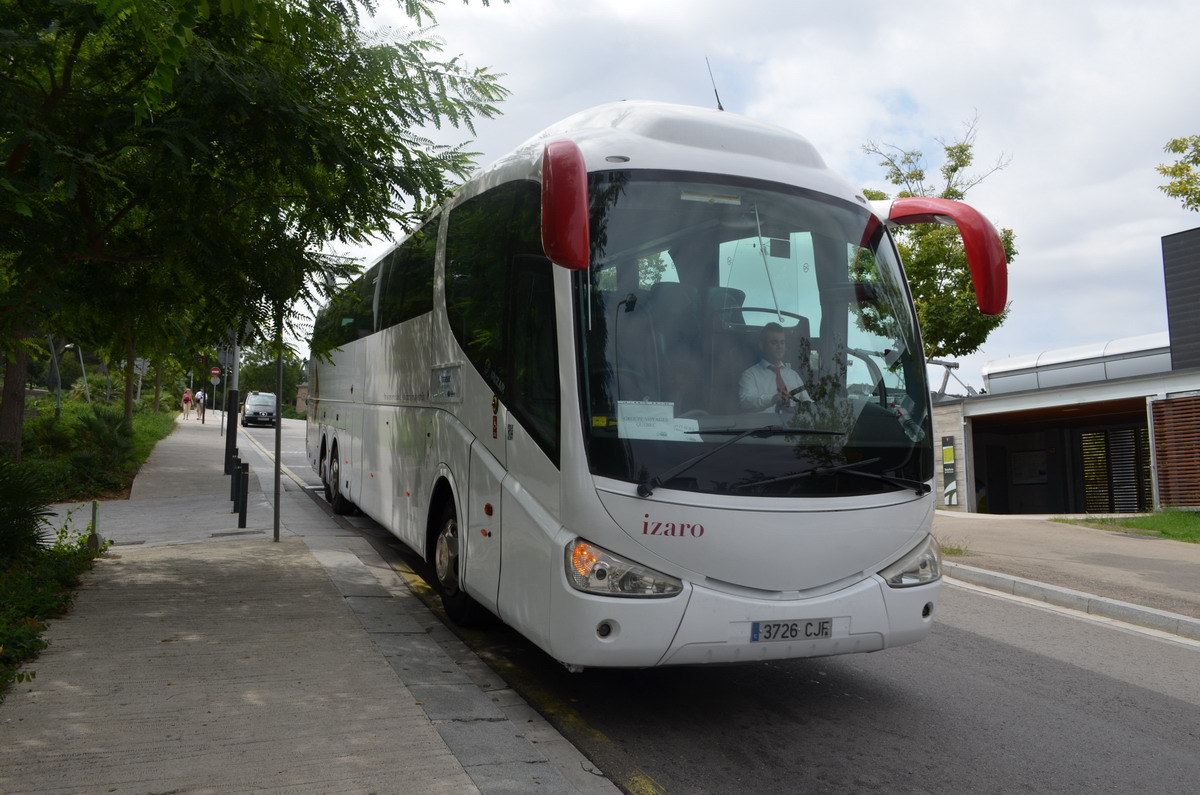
(724,305)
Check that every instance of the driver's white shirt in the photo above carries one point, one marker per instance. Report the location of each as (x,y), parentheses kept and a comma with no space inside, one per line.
(757,387)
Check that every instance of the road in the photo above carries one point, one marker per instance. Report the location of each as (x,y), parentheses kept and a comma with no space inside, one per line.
(1004,696)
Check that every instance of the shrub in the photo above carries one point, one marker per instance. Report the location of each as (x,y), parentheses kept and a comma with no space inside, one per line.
(33,588)
(101,389)
(87,453)
(24,505)
(44,435)
(104,448)
(56,472)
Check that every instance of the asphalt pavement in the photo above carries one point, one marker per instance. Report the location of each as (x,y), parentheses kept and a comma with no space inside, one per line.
(202,656)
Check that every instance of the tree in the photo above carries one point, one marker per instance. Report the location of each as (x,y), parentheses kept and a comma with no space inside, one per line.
(257,373)
(951,324)
(1183,173)
(186,160)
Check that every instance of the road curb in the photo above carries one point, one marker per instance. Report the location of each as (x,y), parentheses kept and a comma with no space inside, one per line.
(501,742)
(1161,620)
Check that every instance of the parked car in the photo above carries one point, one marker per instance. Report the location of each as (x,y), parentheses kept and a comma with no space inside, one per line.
(259,409)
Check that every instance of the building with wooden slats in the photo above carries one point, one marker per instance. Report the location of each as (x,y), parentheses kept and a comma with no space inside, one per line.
(1106,428)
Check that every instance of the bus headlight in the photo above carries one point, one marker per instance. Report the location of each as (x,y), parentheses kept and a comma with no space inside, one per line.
(922,565)
(598,571)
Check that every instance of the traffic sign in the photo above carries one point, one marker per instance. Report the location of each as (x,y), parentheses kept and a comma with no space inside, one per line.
(214,371)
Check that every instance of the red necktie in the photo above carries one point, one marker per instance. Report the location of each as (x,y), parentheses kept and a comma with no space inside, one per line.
(777,369)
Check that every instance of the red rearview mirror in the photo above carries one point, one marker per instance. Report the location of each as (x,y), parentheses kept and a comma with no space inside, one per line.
(981,241)
(565,236)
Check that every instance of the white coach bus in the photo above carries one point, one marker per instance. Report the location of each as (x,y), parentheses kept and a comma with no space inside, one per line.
(553,390)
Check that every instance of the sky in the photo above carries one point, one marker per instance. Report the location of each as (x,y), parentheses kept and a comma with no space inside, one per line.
(1079,97)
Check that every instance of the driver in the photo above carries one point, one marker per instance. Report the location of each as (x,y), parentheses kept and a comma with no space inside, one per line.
(771,384)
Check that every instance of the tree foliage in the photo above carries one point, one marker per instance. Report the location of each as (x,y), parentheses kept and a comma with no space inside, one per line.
(951,323)
(1184,173)
(258,372)
(178,165)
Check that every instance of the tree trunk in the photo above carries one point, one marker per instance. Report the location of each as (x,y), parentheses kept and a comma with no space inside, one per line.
(130,363)
(55,378)
(12,404)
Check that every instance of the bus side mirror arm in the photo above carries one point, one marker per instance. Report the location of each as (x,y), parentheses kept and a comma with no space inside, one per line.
(981,241)
(565,236)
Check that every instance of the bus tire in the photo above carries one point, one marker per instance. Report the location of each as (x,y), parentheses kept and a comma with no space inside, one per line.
(333,487)
(323,472)
(447,566)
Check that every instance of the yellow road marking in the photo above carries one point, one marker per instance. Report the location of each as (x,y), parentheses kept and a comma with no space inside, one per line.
(282,467)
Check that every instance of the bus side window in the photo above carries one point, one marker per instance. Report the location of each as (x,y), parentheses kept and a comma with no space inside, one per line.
(482,236)
(533,343)
(500,303)
(362,308)
(392,288)
(535,395)
(407,288)
(350,315)
(477,279)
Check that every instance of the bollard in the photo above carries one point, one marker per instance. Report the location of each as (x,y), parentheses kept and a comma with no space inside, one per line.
(245,489)
(235,482)
(94,539)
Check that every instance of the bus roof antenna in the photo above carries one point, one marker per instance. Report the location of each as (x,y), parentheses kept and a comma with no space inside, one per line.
(714,83)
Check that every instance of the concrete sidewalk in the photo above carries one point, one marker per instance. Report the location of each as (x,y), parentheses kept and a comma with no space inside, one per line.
(1142,580)
(203,657)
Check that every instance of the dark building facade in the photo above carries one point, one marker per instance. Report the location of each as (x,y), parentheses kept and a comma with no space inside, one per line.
(1108,428)
(1181,270)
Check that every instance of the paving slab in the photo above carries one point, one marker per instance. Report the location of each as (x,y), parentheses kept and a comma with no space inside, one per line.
(1141,571)
(206,657)
(217,668)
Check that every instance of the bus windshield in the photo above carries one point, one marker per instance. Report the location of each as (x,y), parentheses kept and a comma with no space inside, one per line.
(747,338)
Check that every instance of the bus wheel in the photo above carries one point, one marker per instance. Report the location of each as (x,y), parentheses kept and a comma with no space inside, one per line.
(333,488)
(323,472)
(460,607)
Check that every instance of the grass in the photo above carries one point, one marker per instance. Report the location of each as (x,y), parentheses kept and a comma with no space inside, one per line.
(1176,525)
(953,548)
(148,429)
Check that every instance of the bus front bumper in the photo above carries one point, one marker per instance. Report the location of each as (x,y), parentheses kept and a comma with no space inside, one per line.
(706,626)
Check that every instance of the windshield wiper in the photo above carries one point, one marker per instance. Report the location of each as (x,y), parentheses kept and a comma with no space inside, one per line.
(904,483)
(647,487)
(847,469)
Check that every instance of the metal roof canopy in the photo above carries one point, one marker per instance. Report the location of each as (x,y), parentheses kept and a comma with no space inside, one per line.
(1081,395)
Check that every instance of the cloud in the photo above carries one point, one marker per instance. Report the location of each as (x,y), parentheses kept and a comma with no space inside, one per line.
(1081,96)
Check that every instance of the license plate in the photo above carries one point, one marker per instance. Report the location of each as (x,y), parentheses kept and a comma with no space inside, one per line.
(808,629)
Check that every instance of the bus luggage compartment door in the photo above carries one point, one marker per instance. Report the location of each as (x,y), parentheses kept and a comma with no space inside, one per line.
(481,567)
